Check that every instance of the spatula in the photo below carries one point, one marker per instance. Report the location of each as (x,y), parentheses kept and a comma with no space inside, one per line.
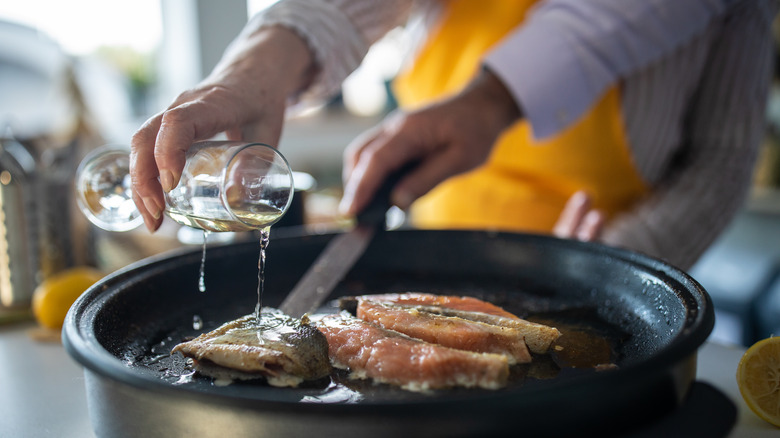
(340,254)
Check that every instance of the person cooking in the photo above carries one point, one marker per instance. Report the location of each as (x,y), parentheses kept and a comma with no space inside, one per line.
(631,122)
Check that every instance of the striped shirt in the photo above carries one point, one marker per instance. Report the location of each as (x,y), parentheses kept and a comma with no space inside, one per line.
(694,77)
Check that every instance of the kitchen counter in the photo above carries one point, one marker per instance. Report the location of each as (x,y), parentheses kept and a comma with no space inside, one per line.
(42,390)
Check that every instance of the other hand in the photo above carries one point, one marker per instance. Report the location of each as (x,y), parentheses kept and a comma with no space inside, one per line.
(446,138)
(579,220)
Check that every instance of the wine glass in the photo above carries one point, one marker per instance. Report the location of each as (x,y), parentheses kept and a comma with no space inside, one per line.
(224,186)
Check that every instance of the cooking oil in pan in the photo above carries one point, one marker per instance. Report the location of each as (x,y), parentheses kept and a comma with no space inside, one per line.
(588,345)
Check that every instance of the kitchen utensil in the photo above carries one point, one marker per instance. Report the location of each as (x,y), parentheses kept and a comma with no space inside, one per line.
(340,254)
(19,236)
(122,328)
(39,235)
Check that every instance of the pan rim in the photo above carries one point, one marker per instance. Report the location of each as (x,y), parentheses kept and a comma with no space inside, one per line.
(85,348)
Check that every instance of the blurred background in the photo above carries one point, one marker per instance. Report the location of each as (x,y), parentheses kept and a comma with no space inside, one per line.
(79,74)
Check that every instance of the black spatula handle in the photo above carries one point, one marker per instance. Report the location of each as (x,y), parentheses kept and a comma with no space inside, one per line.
(375,211)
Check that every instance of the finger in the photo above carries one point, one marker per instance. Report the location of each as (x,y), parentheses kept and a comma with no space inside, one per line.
(183,124)
(436,167)
(591,226)
(376,161)
(236,134)
(268,129)
(267,132)
(147,193)
(362,182)
(176,135)
(151,223)
(352,152)
(573,212)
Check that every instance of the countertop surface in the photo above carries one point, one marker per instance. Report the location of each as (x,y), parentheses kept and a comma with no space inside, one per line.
(42,390)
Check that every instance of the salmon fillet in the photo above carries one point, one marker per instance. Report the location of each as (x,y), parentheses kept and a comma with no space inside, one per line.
(369,351)
(448,331)
(538,337)
(449,301)
(284,350)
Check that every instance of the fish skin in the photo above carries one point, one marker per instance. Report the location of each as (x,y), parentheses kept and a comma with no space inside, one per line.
(292,350)
(538,337)
(385,356)
(448,331)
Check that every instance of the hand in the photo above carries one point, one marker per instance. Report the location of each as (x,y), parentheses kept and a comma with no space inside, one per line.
(446,138)
(578,220)
(245,97)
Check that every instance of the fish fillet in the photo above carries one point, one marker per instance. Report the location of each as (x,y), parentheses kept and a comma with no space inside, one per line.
(448,331)
(284,350)
(449,301)
(538,337)
(369,351)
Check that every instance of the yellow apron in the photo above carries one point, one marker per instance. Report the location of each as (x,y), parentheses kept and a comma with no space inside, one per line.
(525,183)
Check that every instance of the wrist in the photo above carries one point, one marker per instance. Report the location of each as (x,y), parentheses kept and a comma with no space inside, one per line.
(494,96)
(274,57)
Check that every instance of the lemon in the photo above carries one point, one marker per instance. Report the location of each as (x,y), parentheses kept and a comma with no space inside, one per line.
(758,378)
(54,296)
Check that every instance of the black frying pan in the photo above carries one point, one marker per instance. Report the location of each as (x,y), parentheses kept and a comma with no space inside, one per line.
(654,315)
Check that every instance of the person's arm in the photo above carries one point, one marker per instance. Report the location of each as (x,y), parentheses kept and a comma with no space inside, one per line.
(444,139)
(707,184)
(294,47)
(245,97)
(338,33)
(568,52)
(554,67)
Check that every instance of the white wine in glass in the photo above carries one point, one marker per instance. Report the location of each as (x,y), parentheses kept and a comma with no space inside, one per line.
(225,186)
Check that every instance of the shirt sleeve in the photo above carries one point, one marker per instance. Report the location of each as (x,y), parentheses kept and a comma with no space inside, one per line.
(707,183)
(338,32)
(569,52)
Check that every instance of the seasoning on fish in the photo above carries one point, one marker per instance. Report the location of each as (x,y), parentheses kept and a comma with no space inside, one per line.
(448,331)
(538,337)
(284,350)
(369,351)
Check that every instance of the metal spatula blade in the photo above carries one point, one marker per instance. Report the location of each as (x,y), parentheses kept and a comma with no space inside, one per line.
(340,254)
(328,269)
